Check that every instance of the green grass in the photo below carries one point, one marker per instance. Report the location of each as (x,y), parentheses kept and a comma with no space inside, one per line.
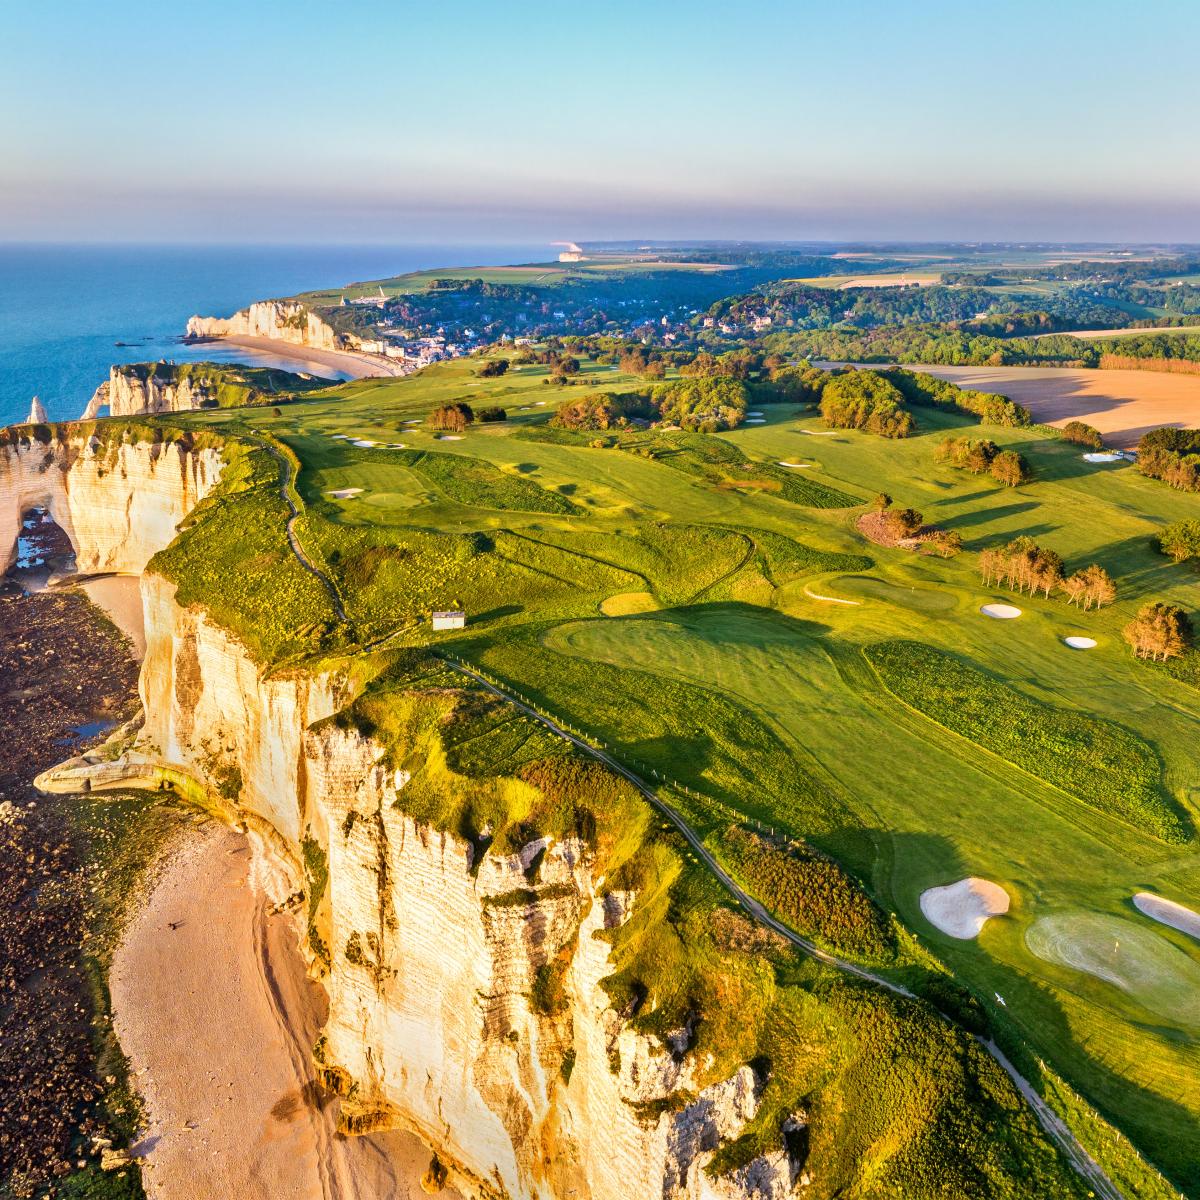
(709,458)
(755,696)
(1098,762)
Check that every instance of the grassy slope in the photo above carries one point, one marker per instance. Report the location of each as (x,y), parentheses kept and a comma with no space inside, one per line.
(919,807)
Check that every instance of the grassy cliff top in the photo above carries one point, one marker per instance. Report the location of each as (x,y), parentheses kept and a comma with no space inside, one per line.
(714,626)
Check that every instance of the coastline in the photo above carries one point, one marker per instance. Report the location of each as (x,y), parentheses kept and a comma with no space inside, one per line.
(214,1009)
(353,364)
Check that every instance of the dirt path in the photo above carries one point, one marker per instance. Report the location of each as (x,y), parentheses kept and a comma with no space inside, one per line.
(218,1020)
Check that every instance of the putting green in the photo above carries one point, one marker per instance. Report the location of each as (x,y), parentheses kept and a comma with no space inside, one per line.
(1143,964)
(926,600)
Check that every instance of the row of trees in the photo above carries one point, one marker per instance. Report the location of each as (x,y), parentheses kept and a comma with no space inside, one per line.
(452,417)
(1181,540)
(980,455)
(1172,455)
(1159,632)
(1024,566)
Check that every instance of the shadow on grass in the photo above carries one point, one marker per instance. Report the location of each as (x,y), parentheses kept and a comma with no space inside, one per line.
(1163,1130)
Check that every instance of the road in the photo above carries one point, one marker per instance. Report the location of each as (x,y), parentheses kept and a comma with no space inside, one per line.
(1083,1163)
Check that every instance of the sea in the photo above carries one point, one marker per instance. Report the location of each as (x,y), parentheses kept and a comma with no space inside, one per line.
(69,312)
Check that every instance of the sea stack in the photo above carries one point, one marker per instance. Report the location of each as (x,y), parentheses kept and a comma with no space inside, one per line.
(37,413)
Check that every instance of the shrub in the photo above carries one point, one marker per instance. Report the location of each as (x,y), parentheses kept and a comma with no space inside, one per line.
(1010,468)
(812,893)
(493,367)
(596,410)
(489,416)
(1083,434)
(1100,763)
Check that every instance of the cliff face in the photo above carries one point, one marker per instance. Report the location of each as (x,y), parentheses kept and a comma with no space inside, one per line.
(119,501)
(126,394)
(431,960)
(282,319)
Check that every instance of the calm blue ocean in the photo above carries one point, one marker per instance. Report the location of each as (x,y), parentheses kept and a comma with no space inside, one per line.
(63,308)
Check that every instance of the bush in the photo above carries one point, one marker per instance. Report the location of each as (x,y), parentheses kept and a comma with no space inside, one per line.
(489,416)
(493,367)
(1083,434)
(815,895)
(595,411)
(1010,468)
(1100,763)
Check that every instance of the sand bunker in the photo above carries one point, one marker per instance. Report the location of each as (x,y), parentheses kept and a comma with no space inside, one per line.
(345,493)
(828,599)
(1143,964)
(1167,912)
(1106,456)
(1077,642)
(449,437)
(794,466)
(340,437)
(366,443)
(628,604)
(1001,612)
(962,909)
(756,414)
(820,432)
(755,421)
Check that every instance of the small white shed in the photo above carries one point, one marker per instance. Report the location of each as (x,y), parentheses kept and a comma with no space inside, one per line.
(449,620)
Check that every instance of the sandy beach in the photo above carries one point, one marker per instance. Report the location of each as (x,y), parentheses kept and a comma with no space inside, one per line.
(120,596)
(309,358)
(213,1008)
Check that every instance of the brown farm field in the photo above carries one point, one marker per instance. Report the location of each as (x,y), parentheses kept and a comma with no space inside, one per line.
(1121,404)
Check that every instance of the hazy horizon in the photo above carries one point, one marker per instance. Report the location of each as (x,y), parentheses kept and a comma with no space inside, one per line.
(773,122)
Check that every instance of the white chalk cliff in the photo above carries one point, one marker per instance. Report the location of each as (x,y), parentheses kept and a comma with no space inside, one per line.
(118,499)
(285,320)
(428,957)
(430,965)
(37,413)
(130,392)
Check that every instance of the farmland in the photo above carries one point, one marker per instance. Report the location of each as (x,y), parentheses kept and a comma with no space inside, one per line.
(761,701)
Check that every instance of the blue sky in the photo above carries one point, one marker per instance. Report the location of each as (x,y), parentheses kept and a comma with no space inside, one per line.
(364,120)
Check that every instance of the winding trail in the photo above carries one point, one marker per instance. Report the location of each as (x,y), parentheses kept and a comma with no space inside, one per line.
(1058,1131)
(285,490)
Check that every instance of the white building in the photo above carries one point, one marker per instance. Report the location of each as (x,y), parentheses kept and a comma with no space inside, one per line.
(449,620)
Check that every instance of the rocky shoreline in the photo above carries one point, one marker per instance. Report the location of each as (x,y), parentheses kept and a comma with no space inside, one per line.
(65,671)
